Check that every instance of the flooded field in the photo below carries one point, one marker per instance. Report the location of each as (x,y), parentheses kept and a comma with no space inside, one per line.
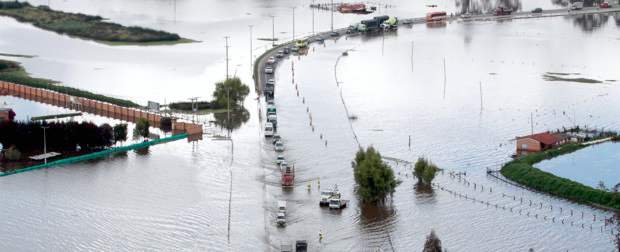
(590,166)
(220,195)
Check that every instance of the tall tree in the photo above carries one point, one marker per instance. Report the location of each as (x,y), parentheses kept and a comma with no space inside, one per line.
(374,178)
(231,88)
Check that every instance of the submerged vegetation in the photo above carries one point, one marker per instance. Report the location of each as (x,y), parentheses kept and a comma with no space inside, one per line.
(64,136)
(521,170)
(374,178)
(81,25)
(425,171)
(432,243)
(558,77)
(13,72)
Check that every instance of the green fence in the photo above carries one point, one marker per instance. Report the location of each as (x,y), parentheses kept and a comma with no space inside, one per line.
(96,155)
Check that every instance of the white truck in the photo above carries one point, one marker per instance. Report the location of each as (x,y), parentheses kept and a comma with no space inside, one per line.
(281,216)
(576,6)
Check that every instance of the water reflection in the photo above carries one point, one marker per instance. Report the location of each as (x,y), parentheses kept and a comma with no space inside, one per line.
(372,214)
(485,6)
(237,118)
(590,22)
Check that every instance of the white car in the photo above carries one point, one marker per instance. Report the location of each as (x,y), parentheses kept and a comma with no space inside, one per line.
(279,146)
(268,70)
(269,130)
(279,159)
(271,81)
(271,60)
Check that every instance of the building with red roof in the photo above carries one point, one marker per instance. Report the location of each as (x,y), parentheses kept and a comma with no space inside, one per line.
(539,142)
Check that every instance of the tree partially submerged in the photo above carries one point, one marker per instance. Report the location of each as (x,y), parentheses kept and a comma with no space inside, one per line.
(425,171)
(142,128)
(432,244)
(374,178)
(231,88)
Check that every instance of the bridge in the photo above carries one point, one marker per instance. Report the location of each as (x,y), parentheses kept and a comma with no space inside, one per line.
(95,107)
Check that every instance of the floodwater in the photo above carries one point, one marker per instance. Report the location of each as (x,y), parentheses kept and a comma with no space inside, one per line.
(220,195)
(589,166)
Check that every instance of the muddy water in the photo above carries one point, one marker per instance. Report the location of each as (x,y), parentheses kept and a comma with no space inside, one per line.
(220,195)
(451,123)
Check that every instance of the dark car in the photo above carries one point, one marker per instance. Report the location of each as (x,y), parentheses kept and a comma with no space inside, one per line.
(537,10)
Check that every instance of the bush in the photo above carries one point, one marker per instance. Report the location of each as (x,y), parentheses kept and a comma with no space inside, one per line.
(425,171)
(165,124)
(374,178)
(522,171)
(142,128)
(432,244)
(120,132)
(187,106)
(12,154)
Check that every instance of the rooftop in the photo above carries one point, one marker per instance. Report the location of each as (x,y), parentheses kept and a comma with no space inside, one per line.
(545,137)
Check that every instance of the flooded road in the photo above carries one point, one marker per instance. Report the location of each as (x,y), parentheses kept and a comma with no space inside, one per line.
(221,195)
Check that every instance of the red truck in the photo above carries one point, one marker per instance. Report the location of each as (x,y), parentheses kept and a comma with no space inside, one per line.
(288,176)
(501,11)
(604,5)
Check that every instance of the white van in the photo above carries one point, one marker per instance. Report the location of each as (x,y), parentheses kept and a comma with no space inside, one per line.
(269,129)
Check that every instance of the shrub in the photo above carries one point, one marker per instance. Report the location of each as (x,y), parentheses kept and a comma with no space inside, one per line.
(425,171)
(120,132)
(12,154)
(432,244)
(142,128)
(374,178)
(165,124)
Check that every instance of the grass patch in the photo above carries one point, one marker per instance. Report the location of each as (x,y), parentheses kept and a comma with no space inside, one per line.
(550,77)
(81,25)
(13,72)
(522,171)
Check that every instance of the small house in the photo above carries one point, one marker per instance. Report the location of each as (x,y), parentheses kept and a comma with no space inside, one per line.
(539,142)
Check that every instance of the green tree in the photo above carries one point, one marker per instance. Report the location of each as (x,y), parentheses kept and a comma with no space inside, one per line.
(233,88)
(432,244)
(374,178)
(120,132)
(425,171)
(142,128)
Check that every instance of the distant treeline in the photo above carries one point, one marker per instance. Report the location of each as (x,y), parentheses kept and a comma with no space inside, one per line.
(13,72)
(521,170)
(65,136)
(81,25)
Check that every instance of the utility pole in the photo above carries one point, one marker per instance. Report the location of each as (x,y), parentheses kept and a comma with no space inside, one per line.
(45,143)
(194,107)
(273,30)
(481,104)
(412,56)
(312,17)
(293,23)
(445,78)
(251,49)
(228,111)
(332,10)
(532,121)
(226,37)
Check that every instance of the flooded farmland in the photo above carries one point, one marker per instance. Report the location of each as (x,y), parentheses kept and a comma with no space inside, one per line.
(390,92)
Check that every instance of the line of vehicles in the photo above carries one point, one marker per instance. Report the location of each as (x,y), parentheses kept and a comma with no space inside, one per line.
(331,198)
(377,23)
